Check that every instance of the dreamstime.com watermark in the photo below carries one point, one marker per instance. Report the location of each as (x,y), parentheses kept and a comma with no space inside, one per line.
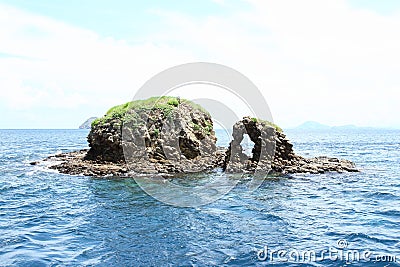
(340,252)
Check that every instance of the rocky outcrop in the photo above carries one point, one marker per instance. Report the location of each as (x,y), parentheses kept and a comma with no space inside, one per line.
(74,163)
(168,135)
(161,135)
(88,123)
(262,134)
(273,151)
(105,142)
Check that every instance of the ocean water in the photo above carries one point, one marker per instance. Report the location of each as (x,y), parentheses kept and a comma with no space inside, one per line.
(51,219)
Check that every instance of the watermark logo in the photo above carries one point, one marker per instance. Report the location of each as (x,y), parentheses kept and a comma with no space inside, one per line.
(232,91)
(342,243)
(340,252)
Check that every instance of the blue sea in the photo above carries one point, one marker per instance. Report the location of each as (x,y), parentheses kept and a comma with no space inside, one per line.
(52,219)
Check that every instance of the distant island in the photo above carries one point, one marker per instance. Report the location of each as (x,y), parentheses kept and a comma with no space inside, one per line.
(169,135)
(313,125)
(88,123)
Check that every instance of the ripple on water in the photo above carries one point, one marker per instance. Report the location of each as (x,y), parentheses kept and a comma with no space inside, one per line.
(52,219)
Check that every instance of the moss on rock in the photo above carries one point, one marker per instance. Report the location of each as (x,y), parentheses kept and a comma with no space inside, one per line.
(166,104)
(268,123)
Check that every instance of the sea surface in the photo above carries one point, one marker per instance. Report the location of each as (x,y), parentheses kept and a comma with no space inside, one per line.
(52,219)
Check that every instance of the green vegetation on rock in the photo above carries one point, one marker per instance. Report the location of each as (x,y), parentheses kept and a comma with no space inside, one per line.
(206,129)
(164,103)
(156,132)
(173,102)
(277,128)
(196,127)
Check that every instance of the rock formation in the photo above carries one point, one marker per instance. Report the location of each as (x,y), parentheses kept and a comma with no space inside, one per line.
(273,151)
(262,134)
(170,135)
(164,134)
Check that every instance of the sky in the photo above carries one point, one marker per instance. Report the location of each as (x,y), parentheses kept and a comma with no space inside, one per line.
(335,62)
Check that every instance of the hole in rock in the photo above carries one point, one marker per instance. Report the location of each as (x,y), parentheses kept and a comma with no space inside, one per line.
(247,145)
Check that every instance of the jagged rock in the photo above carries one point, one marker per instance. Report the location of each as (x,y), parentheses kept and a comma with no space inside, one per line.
(169,135)
(262,134)
(150,134)
(273,151)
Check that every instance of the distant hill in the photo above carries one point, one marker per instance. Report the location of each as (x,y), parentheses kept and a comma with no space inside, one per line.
(346,127)
(88,123)
(312,125)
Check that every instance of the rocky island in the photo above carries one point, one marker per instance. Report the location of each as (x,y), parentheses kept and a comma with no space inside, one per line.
(168,135)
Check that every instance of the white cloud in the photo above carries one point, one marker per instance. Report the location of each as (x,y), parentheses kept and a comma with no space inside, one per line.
(313,60)
(49,64)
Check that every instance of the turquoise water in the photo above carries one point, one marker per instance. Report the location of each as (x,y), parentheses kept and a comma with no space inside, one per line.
(51,219)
